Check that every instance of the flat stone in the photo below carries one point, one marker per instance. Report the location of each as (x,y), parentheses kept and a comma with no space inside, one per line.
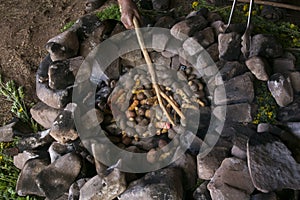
(208,165)
(283,65)
(44,114)
(63,127)
(104,187)
(160,184)
(232,69)
(294,77)
(60,76)
(287,135)
(290,112)
(54,98)
(57,178)
(281,89)
(265,46)
(191,46)
(26,184)
(22,158)
(271,164)
(38,140)
(160,5)
(188,27)
(159,41)
(259,67)
(238,90)
(202,193)
(242,112)
(229,46)
(231,181)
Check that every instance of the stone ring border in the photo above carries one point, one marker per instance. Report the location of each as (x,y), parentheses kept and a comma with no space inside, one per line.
(92,69)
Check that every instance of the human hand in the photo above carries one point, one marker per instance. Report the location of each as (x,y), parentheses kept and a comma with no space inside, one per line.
(128,10)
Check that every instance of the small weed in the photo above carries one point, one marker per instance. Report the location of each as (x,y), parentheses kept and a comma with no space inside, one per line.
(267,107)
(67,26)
(9,175)
(16,96)
(111,12)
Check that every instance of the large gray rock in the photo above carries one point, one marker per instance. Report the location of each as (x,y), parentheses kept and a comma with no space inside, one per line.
(44,114)
(231,181)
(57,178)
(104,187)
(232,69)
(266,46)
(242,112)
(26,184)
(238,90)
(188,27)
(54,98)
(160,184)
(259,67)
(22,158)
(63,127)
(208,165)
(60,76)
(271,164)
(229,46)
(281,89)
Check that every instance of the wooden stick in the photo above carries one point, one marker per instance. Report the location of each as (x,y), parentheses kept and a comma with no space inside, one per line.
(275,4)
(151,69)
(172,104)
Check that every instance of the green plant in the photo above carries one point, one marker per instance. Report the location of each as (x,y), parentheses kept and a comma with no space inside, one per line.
(9,175)
(67,26)
(267,107)
(16,96)
(111,12)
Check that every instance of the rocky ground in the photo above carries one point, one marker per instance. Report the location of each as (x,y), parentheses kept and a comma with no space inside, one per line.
(244,160)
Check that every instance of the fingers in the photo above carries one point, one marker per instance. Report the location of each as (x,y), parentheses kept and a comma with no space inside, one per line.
(128,12)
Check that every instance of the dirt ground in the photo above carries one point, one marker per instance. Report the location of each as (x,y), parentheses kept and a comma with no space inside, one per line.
(26,26)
